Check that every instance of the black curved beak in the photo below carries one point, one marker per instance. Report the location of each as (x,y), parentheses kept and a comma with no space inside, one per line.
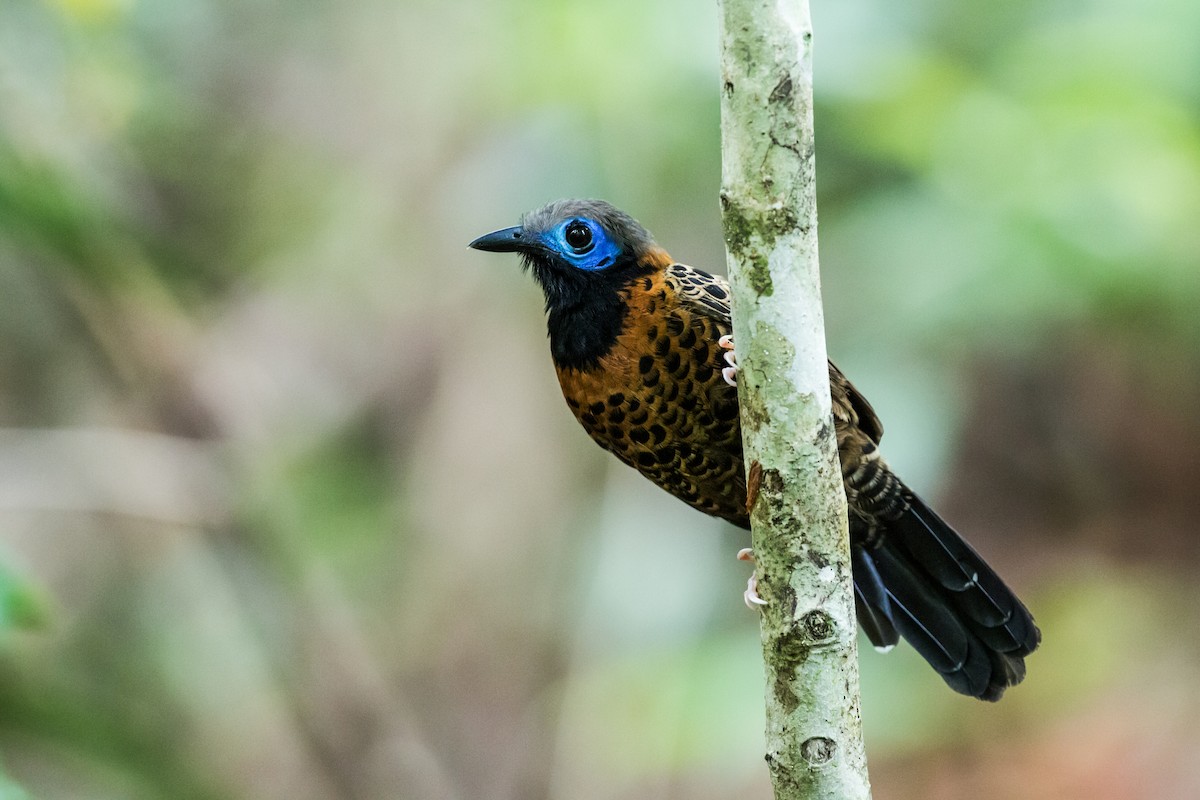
(509,240)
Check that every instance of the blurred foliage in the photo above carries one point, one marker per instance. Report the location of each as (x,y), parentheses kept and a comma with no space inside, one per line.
(20,604)
(289,503)
(10,791)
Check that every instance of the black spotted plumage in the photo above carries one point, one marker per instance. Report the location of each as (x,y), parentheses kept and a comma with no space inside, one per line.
(634,342)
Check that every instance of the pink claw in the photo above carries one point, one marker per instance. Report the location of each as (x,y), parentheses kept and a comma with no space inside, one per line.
(729,373)
(750,596)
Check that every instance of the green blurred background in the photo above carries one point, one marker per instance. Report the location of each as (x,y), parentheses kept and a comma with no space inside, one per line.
(290,505)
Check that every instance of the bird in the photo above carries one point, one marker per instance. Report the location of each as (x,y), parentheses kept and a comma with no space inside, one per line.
(642,347)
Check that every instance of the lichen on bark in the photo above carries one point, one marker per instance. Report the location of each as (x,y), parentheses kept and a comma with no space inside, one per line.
(751,234)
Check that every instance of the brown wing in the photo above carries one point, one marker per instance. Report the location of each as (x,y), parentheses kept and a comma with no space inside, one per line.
(709,295)
(864,415)
(701,294)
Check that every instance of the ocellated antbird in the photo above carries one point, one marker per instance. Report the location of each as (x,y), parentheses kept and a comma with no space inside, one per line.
(636,341)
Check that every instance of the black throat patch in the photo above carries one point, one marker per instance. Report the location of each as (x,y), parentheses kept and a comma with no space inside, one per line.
(585,311)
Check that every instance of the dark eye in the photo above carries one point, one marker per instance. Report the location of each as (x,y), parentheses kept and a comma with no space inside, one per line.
(579,236)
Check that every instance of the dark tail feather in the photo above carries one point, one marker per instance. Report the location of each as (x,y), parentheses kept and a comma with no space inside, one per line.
(871,602)
(948,603)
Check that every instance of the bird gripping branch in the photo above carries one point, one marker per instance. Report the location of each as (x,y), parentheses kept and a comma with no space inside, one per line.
(636,341)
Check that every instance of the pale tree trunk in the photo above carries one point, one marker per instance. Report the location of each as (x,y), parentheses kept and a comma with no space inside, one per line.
(768,198)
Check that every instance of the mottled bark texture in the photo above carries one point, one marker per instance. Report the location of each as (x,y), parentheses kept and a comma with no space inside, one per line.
(768,198)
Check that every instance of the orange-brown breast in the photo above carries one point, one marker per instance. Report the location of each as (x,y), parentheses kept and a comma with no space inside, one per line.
(658,402)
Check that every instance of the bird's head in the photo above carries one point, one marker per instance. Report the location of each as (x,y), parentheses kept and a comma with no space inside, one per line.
(578,250)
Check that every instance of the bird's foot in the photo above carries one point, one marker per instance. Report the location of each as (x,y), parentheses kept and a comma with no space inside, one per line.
(730,372)
(750,596)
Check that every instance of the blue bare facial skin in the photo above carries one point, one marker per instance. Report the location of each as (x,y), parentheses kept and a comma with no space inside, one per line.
(583,244)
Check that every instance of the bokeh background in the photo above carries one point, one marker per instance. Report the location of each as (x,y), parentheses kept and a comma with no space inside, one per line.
(290,505)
